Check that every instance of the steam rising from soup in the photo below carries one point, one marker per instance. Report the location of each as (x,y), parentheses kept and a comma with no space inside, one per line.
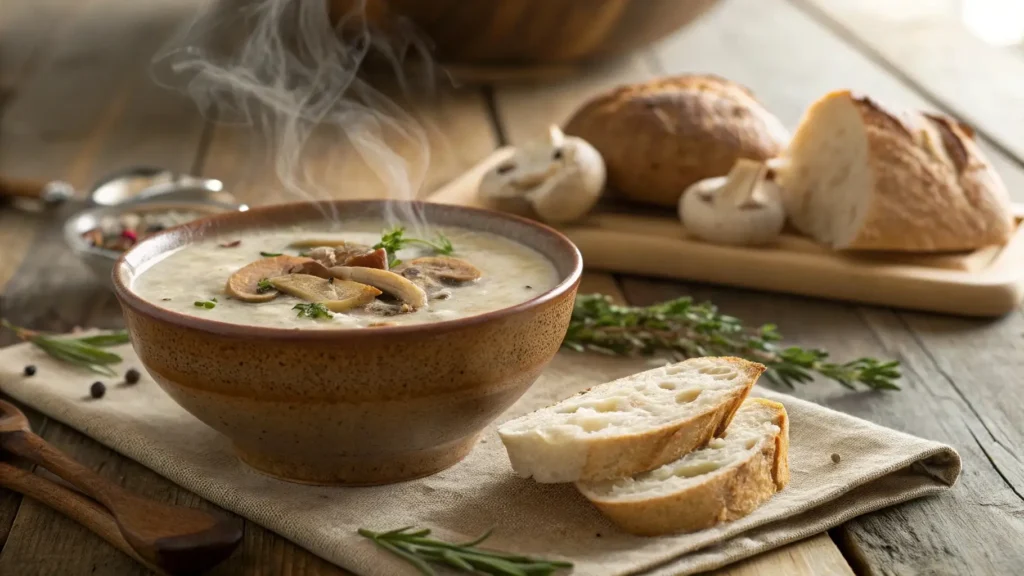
(282,67)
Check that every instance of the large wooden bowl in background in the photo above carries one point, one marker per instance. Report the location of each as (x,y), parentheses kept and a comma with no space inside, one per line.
(525,33)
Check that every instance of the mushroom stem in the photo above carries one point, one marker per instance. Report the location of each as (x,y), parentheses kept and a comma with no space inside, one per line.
(385,280)
(741,184)
(556,136)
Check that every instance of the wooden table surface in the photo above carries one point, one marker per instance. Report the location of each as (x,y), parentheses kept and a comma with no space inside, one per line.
(76,102)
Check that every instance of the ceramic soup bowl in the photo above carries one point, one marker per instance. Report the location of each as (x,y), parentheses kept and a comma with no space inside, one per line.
(350,406)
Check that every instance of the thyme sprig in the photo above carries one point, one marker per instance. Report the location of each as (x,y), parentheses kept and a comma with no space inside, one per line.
(686,329)
(394,240)
(86,352)
(414,546)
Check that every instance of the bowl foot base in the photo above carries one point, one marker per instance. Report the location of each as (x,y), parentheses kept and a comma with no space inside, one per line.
(360,469)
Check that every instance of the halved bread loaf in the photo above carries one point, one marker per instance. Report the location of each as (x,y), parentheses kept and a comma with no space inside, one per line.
(858,176)
(630,425)
(724,481)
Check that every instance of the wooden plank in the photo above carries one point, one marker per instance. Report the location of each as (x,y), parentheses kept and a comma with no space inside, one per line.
(792,62)
(455,123)
(930,47)
(986,283)
(788,64)
(813,556)
(113,118)
(27,29)
(524,112)
(971,529)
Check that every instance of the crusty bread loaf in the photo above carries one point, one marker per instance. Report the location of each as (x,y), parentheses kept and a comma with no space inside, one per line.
(858,176)
(632,424)
(724,481)
(659,137)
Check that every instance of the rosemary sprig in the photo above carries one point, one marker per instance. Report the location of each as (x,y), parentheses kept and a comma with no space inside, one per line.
(269,254)
(414,546)
(394,240)
(312,310)
(86,352)
(687,329)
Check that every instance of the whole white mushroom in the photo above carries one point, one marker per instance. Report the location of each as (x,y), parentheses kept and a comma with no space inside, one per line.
(742,208)
(557,180)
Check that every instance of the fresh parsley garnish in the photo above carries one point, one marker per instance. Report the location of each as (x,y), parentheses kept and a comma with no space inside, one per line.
(264,286)
(312,310)
(394,240)
(208,304)
(269,254)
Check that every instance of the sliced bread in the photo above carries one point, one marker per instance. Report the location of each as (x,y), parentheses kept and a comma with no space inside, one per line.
(724,481)
(859,176)
(632,424)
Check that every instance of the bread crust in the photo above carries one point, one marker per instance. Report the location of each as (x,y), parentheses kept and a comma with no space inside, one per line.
(626,455)
(722,498)
(659,137)
(933,189)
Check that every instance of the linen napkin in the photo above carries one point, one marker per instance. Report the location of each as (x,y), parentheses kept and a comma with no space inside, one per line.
(878,467)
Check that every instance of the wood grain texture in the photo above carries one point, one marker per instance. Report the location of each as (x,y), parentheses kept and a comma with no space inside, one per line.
(928,45)
(788,65)
(176,539)
(952,534)
(525,32)
(793,62)
(71,504)
(523,114)
(815,556)
(99,54)
(457,134)
(986,282)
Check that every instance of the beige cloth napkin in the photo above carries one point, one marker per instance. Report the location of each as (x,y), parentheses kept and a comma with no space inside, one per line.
(879,467)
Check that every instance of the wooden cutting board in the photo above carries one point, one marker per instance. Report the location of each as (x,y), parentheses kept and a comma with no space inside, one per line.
(628,240)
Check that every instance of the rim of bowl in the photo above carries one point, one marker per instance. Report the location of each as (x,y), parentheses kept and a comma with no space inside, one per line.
(140,305)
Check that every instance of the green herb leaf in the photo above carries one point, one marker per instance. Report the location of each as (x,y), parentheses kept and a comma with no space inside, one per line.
(208,304)
(106,340)
(269,254)
(685,329)
(394,240)
(414,547)
(312,310)
(86,352)
(264,286)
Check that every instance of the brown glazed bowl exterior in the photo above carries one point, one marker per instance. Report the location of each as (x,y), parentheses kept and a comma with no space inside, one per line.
(350,406)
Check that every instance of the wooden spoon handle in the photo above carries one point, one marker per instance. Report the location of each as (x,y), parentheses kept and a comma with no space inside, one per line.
(71,504)
(53,191)
(38,451)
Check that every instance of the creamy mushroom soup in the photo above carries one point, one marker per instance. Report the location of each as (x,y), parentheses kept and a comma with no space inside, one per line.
(303,278)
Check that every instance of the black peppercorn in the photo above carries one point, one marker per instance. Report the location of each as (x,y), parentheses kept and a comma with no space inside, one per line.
(97,390)
(30,370)
(132,376)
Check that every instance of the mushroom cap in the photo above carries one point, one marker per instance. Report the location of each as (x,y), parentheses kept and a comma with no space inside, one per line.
(710,214)
(443,268)
(558,180)
(244,283)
